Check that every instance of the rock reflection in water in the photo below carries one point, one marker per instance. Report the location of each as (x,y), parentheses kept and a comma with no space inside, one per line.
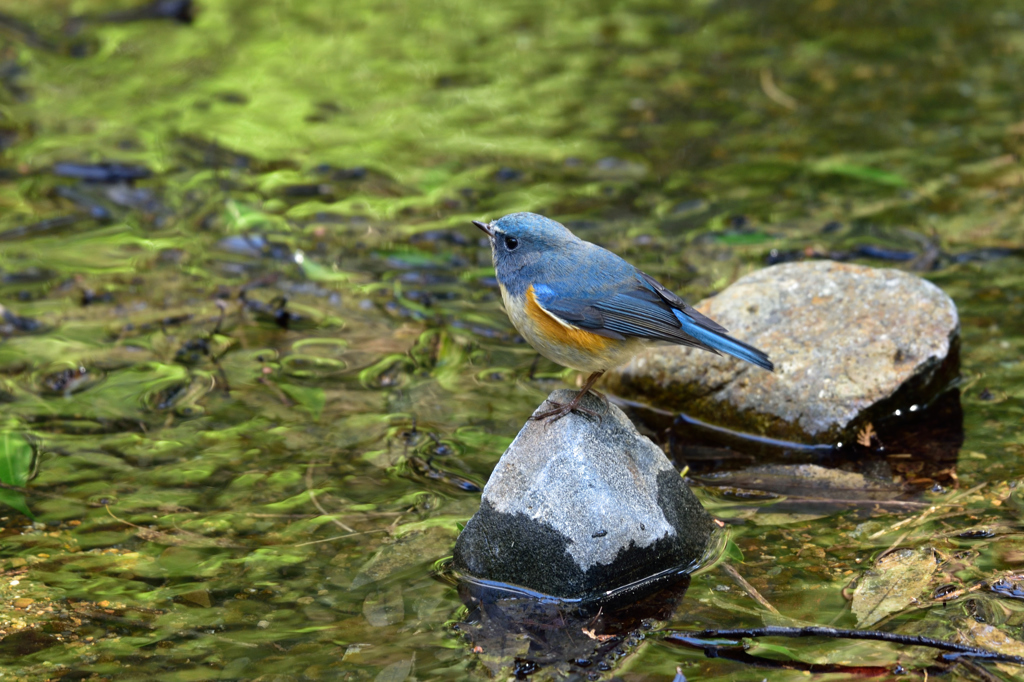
(911,448)
(522,632)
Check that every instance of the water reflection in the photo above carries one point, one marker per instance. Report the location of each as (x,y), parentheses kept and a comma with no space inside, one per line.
(908,449)
(513,629)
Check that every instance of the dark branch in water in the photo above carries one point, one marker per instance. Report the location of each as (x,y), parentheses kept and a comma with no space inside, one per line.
(181,11)
(105,172)
(42,226)
(10,24)
(956,651)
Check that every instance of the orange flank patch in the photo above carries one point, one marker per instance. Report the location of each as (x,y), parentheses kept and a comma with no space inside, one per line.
(556,331)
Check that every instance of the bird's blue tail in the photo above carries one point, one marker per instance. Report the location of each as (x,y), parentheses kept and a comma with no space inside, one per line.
(722,342)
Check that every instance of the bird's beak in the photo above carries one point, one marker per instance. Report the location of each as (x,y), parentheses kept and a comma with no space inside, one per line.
(486,227)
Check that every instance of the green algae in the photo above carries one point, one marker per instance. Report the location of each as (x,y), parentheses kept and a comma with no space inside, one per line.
(298,373)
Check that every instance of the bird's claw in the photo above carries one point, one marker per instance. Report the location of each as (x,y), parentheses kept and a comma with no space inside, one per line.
(561,409)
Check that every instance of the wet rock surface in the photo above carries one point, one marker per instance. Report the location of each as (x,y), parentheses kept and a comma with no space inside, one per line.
(850,343)
(579,507)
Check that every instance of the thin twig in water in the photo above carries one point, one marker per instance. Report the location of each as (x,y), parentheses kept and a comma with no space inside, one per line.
(983,674)
(775,93)
(956,651)
(842,612)
(921,517)
(969,491)
(899,524)
(316,502)
(256,515)
(285,400)
(749,589)
(179,538)
(339,537)
(895,544)
(906,504)
(228,640)
(216,361)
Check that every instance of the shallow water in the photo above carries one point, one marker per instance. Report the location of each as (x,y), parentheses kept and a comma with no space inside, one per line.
(266,380)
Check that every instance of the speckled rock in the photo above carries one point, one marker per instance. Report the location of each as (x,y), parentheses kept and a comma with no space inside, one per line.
(578,507)
(850,344)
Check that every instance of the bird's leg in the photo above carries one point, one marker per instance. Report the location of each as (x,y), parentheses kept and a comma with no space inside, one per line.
(562,409)
(533,366)
(602,396)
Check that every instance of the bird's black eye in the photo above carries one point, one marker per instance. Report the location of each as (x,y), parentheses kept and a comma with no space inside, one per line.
(511,243)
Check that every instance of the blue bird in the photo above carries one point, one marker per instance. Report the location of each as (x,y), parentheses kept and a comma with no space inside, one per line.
(585,308)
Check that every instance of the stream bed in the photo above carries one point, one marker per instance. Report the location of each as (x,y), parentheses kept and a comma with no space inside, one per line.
(255,364)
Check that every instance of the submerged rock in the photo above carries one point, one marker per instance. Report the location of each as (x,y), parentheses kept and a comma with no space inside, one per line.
(850,344)
(806,480)
(579,507)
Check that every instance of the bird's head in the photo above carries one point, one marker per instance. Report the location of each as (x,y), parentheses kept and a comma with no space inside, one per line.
(521,239)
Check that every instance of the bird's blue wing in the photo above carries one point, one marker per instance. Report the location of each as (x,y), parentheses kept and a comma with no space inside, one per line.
(577,312)
(641,307)
(677,303)
(635,310)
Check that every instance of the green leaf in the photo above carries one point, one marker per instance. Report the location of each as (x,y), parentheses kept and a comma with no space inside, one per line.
(16,460)
(16,457)
(757,648)
(858,172)
(318,273)
(311,399)
(733,551)
(240,217)
(15,500)
(743,238)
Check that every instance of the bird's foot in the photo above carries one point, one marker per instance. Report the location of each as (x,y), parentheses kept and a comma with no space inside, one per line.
(561,409)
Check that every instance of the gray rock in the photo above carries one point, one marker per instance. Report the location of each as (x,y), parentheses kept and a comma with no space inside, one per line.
(578,507)
(850,344)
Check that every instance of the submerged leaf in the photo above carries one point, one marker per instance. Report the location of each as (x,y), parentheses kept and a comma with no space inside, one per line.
(989,637)
(858,172)
(15,500)
(16,459)
(408,552)
(733,551)
(776,519)
(320,273)
(897,580)
(396,672)
(384,607)
(311,399)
